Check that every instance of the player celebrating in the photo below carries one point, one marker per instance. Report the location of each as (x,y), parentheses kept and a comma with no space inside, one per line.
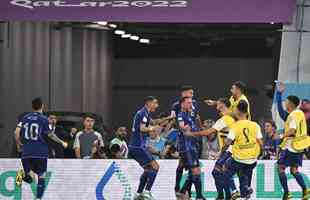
(246,139)
(293,144)
(221,127)
(186,91)
(29,136)
(237,94)
(138,150)
(186,145)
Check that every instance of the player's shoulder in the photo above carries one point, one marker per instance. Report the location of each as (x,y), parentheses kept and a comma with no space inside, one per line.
(297,112)
(228,118)
(254,124)
(142,111)
(97,134)
(245,98)
(78,134)
(176,104)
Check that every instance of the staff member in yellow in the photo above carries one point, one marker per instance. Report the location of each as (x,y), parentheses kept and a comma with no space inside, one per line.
(295,140)
(221,128)
(245,137)
(237,94)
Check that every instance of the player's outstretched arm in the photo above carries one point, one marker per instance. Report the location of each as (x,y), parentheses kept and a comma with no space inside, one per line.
(55,138)
(145,129)
(155,122)
(210,102)
(205,132)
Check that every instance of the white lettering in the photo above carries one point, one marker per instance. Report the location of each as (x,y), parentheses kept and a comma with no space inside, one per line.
(88,4)
(23,3)
(103,4)
(41,3)
(59,3)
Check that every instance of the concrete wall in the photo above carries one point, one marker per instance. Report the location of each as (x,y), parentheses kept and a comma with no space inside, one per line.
(295,59)
(212,77)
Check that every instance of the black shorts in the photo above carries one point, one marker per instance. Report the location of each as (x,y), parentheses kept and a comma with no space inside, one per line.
(37,165)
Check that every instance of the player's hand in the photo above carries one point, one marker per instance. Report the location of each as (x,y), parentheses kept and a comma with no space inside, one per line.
(187,128)
(74,131)
(173,115)
(280,87)
(65,145)
(188,133)
(210,102)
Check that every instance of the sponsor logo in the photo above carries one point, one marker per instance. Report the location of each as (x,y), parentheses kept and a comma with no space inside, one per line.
(10,190)
(32,4)
(114,169)
(273,191)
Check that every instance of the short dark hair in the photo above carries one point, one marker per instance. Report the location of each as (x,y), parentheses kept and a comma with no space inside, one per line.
(149,98)
(273,124)
(294,99)
(37,103)
(243,106)
(89,115)
(240,85)
(186,87)
(184,99)
(225,101)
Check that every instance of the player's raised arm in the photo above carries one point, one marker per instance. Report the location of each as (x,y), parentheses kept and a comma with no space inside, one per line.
(202,133)
(155,122)
(210,102)
(146,129)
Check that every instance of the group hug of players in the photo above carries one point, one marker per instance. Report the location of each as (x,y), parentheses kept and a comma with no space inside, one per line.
(240,140)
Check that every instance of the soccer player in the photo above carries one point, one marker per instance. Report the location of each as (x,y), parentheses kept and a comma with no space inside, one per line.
(221,128)
(245,137)
(142,125)
(237,94)
(292,155)
(187,147)
(29,135)
(186,91)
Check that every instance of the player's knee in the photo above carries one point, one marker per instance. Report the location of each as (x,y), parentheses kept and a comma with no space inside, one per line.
(155,166)
(195,171)
(281,168)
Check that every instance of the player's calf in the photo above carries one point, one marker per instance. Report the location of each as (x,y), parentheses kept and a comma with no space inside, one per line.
(40,186)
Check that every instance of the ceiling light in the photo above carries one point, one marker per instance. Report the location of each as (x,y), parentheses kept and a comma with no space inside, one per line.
(113,25)
(103,23)
(146,41)
(134,37)
(126,35)
(119,32)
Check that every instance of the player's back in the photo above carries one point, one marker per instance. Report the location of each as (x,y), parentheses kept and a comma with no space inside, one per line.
(246,145)
(33,128)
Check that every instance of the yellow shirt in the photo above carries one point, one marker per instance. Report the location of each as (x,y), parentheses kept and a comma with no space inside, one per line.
(234,103)
(295,120)
(245,134)
(223,126)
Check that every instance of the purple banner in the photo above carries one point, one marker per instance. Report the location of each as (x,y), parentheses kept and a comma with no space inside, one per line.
(208,11)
